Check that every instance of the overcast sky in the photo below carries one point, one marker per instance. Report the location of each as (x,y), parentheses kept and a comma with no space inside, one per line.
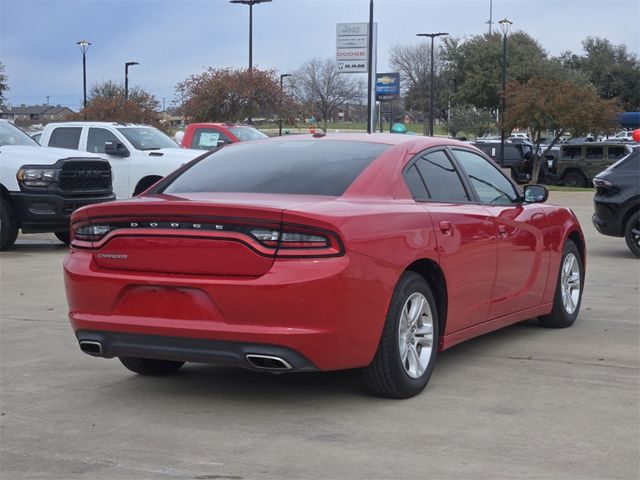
(175,38)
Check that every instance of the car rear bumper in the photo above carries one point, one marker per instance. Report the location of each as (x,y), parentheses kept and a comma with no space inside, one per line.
(245,355)
(329,312)
(39,212)
(607,219)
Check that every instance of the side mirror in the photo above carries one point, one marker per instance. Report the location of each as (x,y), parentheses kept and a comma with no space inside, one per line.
(115,149)
(535,193)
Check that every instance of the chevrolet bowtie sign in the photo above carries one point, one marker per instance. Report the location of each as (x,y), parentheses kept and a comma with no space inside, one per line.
(352,42)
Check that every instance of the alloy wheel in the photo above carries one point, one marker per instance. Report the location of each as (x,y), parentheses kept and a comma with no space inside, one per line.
(415,335)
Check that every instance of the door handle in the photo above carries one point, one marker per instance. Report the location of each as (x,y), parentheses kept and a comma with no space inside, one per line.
(502,231)
(446,228)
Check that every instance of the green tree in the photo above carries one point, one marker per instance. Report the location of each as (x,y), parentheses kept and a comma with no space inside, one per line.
(612,69)
(476,65)
(4,86)
(468,119)
(542,105)
(224,94)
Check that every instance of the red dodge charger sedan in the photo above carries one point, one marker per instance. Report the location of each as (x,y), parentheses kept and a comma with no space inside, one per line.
(321,253)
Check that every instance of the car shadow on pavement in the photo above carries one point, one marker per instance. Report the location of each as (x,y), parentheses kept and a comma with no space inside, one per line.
(200,382)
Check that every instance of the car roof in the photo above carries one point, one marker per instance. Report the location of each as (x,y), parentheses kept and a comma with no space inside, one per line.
(102,124)
(410,141)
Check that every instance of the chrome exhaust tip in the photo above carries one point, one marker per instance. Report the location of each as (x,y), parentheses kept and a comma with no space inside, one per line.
(91,347)
(267,362)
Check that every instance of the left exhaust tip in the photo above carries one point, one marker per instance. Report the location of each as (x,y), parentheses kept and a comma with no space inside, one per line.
(91,347)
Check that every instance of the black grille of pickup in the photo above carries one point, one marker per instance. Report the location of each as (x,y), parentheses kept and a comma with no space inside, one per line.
(85,176)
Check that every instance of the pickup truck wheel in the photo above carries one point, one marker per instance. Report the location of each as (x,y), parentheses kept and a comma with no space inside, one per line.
(149,366)
(575,179)
(64,237)
(632,234)
(8,225)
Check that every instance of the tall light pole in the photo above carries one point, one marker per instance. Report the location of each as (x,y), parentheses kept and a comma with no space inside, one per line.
(431,96)
(84,46)
(126,78)
(282,77)
(251,3)
(505,25)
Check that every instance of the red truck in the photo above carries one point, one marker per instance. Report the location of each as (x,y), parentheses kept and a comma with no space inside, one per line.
(207,136)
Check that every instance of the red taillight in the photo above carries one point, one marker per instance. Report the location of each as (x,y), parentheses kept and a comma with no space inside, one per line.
(268,239)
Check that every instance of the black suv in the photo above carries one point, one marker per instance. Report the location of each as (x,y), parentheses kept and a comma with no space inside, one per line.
(617,201)
(518,157)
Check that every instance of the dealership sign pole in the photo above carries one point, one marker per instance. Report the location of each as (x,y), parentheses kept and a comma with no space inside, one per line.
(352,56)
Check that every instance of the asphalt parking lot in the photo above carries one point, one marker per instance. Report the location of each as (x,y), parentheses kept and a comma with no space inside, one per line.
(523,402)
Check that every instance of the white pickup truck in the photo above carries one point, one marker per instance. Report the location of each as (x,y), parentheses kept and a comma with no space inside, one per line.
(40,187)
(139,155)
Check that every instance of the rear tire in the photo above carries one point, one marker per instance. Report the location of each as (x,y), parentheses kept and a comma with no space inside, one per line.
(632,234)
(148,366)
(8,225)
(569,288)
(575,179)
(64,237)
(408,346)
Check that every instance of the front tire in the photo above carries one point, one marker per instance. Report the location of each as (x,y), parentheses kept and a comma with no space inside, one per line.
(148,366)
(632,234)
(408,346)
(8,225)
(568,297)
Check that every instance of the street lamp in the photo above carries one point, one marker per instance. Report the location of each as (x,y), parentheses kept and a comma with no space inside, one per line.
(251,3)
(505,25)
(282,77)
(126,78)
(84,46)
(431,96)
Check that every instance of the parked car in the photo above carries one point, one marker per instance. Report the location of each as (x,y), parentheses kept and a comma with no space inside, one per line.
(40,187)
(139,155)
(617,201)
(517,157)
(207,136)
(321,253)
(624,136)
(578,164)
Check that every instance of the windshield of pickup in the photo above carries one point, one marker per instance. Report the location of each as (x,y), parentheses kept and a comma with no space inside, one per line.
(245,134)
(12,135)
(147,138)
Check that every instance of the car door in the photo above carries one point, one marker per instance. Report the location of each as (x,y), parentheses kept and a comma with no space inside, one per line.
(465,233)
(96,139)
(522,228)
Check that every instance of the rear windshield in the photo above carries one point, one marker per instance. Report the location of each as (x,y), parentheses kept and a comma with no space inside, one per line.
(303,167)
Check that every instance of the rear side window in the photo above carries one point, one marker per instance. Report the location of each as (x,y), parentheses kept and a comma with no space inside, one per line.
(616,153)
(303,167)
(65,137)
(441,178)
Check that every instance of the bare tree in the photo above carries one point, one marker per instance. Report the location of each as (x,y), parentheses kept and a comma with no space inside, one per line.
(414,64)
(318,86)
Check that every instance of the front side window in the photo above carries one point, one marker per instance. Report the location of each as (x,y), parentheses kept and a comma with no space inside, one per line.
(441,178)
(208,138)
(490,184)
(65,137)
(616,153)
(97,137)
(147,138)
(301,167)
